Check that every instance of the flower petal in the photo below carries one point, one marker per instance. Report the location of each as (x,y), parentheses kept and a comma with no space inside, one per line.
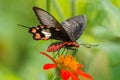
(49,66)
(80,72)
(48,56)
(81,66)
(64,74)
(74,76)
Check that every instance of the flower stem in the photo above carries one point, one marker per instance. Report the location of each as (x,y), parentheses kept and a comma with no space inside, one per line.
(54,77)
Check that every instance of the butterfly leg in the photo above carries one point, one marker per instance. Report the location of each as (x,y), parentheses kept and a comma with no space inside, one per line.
(66,52)
(73,49)
(63,50)
(58,53)
(74,52)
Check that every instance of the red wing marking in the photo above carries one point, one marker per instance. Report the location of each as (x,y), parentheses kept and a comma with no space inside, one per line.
(48,26)
(41,27)
(33,30)
(37,36)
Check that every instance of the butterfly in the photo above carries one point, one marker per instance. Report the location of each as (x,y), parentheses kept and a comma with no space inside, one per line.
(66,32)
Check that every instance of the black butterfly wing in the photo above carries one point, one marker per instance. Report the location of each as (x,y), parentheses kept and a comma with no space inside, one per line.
(75,26)
(47,19)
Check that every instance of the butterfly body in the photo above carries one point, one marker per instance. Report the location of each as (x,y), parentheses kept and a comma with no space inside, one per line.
(58,45)
(67,32)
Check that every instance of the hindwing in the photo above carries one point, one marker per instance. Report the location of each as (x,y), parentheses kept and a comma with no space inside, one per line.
(75,26)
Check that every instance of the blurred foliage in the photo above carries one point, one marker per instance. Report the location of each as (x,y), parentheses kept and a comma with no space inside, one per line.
(19,53)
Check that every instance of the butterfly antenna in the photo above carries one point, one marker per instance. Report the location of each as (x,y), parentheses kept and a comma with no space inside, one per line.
(22,26)
(89,45)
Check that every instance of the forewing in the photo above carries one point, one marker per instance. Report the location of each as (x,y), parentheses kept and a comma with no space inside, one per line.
(47,19)
(75,26)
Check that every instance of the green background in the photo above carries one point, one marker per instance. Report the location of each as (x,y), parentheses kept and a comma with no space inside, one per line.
(19,53)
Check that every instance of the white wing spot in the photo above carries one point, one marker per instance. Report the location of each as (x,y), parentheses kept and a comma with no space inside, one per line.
(47,34)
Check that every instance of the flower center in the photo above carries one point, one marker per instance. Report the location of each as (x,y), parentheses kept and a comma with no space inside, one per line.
(67,62)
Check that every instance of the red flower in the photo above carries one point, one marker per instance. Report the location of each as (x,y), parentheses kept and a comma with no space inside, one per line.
(68,67)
